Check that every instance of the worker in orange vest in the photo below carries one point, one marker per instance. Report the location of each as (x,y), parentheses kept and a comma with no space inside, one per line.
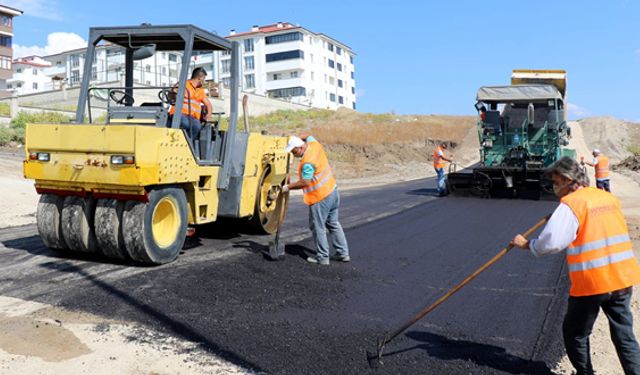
(438,165)
(321,195)
(601,165)
(194,98)
(590,225)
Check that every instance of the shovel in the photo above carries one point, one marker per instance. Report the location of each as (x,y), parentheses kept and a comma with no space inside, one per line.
(375,358)
(276,247)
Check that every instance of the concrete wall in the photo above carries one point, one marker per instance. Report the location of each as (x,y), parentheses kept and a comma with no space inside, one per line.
(62,100)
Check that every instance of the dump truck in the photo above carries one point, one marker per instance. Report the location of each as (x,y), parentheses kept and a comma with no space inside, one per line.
(131,183)
(522,130)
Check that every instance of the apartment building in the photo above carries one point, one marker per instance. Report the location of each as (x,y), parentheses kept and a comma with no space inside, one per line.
(6,43)
(289,62)
(30,75)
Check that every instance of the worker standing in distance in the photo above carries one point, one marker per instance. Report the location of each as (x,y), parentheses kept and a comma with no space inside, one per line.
(590,225)
(194,98)
(316,180)
(438,165)
(601,165)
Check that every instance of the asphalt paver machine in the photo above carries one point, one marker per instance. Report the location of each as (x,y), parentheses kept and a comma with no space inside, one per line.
(128,186)
(522,132)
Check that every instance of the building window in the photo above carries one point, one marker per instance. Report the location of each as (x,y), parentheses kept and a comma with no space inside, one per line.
(353,105)
(75,61)
(249,63)
(282,38)
(340,100)
(9,86)
(249,81)
(332,97)
(339,83)
(147,68)
(338,50)
(332,81)
(339,67)
(287,55)
(164,70)
(94,73)
(330,48)
(226,52)
(287,92)
(5,62)
(173,58)
(35,71)
(294,74)
(5,41)
(312,76)
(19,85)
(19,70)
(75,76)
(353,90)
(352,75)
(35,85)
(6,21)
(226,66)
(331,63)
(248,45)
(277,76)
(226,82)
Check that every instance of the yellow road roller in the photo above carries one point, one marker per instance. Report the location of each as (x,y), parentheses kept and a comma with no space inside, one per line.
(130,184)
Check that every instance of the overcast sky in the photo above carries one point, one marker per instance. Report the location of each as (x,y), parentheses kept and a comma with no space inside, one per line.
(412,57)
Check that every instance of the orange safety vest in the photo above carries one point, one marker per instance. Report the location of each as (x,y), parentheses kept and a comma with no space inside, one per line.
(437,159)
(601,258)
(602,168)
(192,103)
(323,183)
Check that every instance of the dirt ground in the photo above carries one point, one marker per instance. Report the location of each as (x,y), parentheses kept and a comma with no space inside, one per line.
(41,339)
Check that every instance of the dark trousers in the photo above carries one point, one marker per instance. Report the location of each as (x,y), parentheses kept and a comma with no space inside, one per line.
(604,185)
(190,124)
(578,323)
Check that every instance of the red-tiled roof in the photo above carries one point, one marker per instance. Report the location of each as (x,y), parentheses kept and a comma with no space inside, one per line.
(268,29)
(27,62)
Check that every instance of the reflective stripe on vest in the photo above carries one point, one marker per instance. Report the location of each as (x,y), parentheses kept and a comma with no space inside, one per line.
(322,183)
(190,104)
(437,159)
(600,259)
(602,168)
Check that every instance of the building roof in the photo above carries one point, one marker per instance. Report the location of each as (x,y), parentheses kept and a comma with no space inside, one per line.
(10,10)
(517,93)
(23,61)
(283,26)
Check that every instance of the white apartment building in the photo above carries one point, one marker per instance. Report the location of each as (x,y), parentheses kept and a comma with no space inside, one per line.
(108,66)
(29,75)
(292,63)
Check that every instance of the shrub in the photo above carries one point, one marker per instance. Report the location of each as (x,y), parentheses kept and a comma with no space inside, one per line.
(5,110)
(634,149)
(23,118)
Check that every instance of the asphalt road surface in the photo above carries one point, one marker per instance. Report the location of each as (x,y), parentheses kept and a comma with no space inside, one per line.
(408,248)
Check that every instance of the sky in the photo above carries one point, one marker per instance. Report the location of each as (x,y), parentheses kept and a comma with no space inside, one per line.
(412,57)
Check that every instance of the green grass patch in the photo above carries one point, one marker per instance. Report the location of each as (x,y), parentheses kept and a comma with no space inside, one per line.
(5,109)
(634,149)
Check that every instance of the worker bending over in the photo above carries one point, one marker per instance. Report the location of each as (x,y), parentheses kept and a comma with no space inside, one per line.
(590,225)
(601,165)
(316,180)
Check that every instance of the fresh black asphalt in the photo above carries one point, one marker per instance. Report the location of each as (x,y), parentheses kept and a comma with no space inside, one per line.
(408,248)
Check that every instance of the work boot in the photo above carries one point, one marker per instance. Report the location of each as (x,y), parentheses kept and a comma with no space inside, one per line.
(342,258)
(314,260)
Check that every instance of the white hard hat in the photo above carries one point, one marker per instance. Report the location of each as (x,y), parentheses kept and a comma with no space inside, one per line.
(293,143)
(596,151)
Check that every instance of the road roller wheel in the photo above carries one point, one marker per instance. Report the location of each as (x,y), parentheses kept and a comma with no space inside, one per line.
(48,218)
(270,203)
(108,223)
(77,224)
(155,231)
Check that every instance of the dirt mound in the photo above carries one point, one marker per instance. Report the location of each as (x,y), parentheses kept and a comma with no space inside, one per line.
(632,163)
(608,134)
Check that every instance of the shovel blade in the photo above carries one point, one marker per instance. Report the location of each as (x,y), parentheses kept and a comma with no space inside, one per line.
(276,250)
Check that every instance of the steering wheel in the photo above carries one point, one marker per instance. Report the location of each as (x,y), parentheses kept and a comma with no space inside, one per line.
(120,97)
(167,96)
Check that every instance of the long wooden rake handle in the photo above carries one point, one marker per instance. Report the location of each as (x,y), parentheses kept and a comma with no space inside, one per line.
(452,291)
